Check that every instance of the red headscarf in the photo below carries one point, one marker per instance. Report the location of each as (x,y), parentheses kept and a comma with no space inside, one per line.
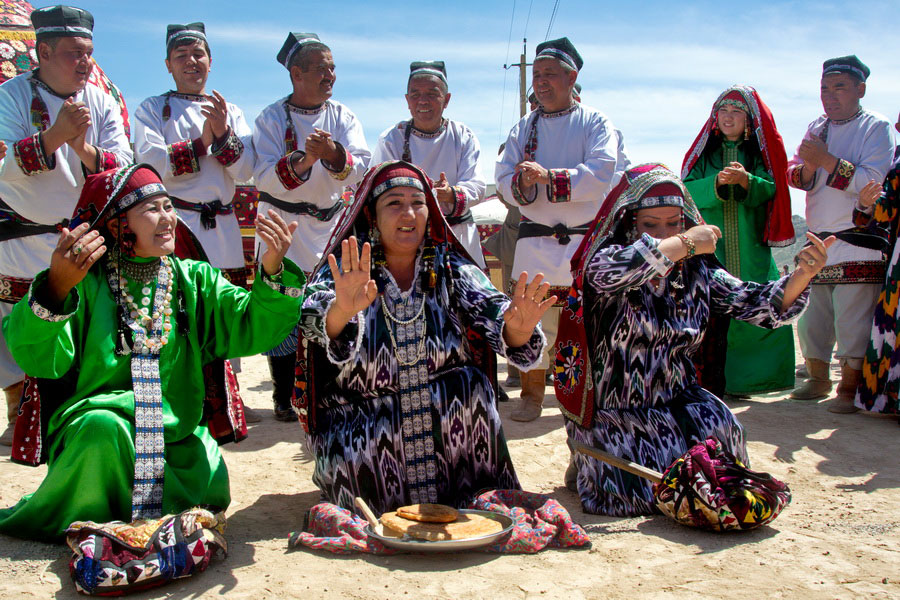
(779,229)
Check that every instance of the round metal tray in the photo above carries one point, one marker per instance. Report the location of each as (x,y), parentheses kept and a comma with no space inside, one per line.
(411,544)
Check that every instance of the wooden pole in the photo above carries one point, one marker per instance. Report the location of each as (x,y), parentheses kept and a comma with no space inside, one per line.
(621,463)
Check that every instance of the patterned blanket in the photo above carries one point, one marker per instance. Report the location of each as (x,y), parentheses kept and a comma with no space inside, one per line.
(539,522)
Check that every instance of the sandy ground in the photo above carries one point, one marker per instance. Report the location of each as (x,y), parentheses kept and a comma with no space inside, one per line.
(839,539)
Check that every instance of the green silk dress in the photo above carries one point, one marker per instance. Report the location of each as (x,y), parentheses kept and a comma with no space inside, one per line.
(90,434)
(758,360)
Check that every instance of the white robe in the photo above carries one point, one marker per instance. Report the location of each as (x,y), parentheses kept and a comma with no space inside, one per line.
(321,188)
(586,144)
(867,143)
(48,197)
(213,181)
(455,152)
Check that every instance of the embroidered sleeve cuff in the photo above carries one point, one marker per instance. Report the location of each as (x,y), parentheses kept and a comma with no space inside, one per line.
(38,304)
(842,174)
(105,160)
(286,282)
(659,262)
(184,156)
(342,173)
(228,150)
(560,188)
(31,157)
(518,196)
(286,174)
(459,202)
(795,178)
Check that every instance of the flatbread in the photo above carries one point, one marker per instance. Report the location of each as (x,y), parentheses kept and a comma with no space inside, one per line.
(465,527)
(428,513)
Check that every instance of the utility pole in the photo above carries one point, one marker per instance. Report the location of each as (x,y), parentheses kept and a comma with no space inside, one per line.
(523,79)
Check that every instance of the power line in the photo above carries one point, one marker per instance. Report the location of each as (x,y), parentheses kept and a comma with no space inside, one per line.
(512,18)
(550,26)
(528,19)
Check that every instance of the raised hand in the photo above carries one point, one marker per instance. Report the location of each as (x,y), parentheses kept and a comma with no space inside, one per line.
(811,259)
(277,235)
(531,173)
(734,174)
(354,289)
(527,308)
(216,113)
(76,251)
(705,238)
(444,194)
(869,194)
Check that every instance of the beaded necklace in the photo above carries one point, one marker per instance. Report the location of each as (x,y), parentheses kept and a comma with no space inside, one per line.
(418,320)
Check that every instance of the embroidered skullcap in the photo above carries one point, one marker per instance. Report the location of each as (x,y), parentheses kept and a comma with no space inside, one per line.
(733,98)
(663,194)
(396,176)
(429,67)
(846,64)
(110,193)
(295,41)
(561,49)
(191,31)
(62,21)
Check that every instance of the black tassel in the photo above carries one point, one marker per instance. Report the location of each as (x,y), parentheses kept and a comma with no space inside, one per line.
(181,318)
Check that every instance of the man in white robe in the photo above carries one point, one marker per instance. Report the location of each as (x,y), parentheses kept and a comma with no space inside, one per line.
(841,152)
(309,148)
(57,128)
(446,150)
(558,164)
(201,146)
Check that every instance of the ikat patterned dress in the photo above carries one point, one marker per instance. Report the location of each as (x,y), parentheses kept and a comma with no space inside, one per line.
(645,317)
(410,418)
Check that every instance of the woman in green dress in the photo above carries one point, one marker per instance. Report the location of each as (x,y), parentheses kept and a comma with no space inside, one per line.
(736,172)
(119,331)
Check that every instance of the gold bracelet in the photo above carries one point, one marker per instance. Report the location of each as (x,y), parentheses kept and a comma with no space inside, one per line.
(688,243)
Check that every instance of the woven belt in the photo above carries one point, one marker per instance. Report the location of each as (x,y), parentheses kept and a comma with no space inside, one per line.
(529,229)
(466,217)
(303,208)
(208,210)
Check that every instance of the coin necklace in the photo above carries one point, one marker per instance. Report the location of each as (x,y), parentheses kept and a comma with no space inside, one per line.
(419,316)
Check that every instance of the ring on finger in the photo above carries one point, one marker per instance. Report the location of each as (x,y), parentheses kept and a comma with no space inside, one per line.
(76,250)
(810,261)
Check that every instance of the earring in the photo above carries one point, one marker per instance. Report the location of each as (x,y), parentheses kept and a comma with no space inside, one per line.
(127,239)
(374,235)
(746,132)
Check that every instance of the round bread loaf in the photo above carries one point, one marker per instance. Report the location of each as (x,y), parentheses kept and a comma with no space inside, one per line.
(465,527)
(428,513)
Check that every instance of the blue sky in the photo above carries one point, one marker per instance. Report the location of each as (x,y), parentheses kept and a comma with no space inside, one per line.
(653,67)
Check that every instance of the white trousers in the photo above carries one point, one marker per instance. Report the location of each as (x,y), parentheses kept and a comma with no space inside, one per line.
(838,313)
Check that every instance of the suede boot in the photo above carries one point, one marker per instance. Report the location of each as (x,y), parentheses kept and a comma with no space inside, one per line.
(819,383)
(532,397)
(842,403)
(13,395)
(282,371)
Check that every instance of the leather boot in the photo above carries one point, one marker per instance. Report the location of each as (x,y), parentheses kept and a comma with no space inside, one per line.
(571,476)
(282,370)
(818,385)
(13,395)
(532,397)
(842,403)
(513,379)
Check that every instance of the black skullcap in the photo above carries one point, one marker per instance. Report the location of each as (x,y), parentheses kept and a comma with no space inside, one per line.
(429,67)
(295,40)
(62,21)
(846,64)
(175,32)
(561,49)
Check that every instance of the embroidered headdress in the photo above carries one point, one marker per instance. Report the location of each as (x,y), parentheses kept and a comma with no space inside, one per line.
(62,21)
(779,230)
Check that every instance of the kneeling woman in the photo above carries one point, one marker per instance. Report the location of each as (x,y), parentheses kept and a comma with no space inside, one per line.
(397,380)
(126,329)
(645,285)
